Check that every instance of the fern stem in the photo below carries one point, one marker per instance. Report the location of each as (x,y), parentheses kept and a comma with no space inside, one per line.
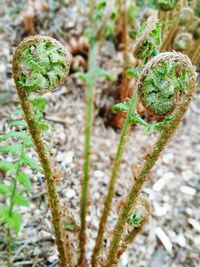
(111,188)
(86,164)
(35,132)
(9,249)
(144,173)
(91,12)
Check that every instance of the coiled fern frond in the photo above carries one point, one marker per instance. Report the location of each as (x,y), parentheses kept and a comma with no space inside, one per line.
(166,5)
(148,39)
(164,82)
(40,64)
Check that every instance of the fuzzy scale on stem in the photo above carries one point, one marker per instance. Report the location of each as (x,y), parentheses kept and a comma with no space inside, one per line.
(167,132)
(57,61)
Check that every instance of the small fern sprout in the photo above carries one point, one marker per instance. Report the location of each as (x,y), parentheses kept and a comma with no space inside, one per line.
(148,39)
(41,64)
(165,88)
(186,15)
(136,221)
(166,5)
(183,42)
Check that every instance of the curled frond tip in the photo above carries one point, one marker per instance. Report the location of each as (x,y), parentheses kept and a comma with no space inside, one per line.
(166,82)
(40,64)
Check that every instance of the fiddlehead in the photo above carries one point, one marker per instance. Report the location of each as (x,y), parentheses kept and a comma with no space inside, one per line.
(41,64)
(183,42)
(181,85)
(162,84)
(166,5)
(136,222)
(186,15)
(148,39)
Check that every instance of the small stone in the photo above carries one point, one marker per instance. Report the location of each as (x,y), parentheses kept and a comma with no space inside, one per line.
(98,174)
(168,158)
(195,224)
(66,158)
(189,211)
(162,181)
(180,239)
(70,193)
(197,241)
(164,239)
(188,190)
(159,172)
(187,174)
(162,210)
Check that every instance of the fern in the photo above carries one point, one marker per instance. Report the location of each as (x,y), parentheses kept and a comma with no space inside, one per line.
(17,142)
(148,40)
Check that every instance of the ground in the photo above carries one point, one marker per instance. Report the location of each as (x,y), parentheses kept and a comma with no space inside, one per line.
(172,235)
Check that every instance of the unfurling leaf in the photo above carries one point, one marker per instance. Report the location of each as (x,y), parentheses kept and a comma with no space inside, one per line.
(13,149)
(5,190)
(31,163)
(6,166)
(135,219)
(12,221)
(18,123)
(24,181)
(104,73)
(121,107)
(135,72)
(19,200)
(18,135)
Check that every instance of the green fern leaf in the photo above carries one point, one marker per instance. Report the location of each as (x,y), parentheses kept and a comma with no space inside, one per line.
(104,73)
(12,221)
(15,222)
(5,190)
(19,135)
(17,123)
(31,163)
(6,166)
(24,181)
(120,107)
(39,103)
(4,214)
(13,149)
(135,72)
(20,200)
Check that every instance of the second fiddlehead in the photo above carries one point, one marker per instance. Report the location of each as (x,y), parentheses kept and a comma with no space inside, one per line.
(178,81)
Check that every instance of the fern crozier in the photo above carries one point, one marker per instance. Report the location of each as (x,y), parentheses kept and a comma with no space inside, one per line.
(40,64)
